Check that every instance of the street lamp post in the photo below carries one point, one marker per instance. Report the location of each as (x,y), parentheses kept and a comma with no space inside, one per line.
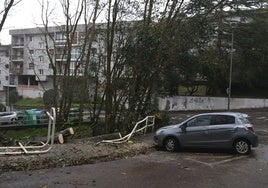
(231,68)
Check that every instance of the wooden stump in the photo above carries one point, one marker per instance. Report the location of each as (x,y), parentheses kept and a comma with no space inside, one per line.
(59,137)
(62,135)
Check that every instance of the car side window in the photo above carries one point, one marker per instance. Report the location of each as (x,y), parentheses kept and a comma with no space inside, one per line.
(223,119)
(200,121)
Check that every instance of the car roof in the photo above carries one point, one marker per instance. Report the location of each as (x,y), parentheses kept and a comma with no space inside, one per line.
(237,114)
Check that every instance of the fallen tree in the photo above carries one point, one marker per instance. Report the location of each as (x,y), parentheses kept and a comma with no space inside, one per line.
(60,137)
(64,134)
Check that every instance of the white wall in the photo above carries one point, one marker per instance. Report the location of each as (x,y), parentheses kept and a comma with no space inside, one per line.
(177,103)
(30,92)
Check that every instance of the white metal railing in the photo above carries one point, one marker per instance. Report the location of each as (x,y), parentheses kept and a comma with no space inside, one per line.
(37,149)
(149,122)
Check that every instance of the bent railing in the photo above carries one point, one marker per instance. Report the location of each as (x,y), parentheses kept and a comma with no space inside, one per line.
(36,149)
(149,122)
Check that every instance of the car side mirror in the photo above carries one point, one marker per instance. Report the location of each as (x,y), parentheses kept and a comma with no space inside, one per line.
(183,127)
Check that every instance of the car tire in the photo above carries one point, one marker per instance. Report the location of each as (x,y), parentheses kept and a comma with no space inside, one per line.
(13,121)
(171,144)
(242,147)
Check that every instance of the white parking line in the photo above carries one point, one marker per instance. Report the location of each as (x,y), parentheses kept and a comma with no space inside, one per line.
(212,164)
(263,130)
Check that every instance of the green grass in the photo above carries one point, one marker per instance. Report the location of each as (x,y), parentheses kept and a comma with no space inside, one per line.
(201,90)
(24,134)
(27,134)
(38,102)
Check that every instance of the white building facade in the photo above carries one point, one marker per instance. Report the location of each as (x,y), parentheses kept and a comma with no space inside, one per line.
(30,67)
(4,72)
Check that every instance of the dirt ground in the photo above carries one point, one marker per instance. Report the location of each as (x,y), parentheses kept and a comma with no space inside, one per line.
(75,152)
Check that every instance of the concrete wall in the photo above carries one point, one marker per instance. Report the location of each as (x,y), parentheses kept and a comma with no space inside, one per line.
(30,92)
(178,103)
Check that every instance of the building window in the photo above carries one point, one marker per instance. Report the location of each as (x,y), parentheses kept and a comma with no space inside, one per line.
(81,39)
(75,53)
(41,71)
(50,65)
(31,38)
(6,77)
(60,38)
(41,45)
(41,58)
(31,66)
(51,51)
(94,51)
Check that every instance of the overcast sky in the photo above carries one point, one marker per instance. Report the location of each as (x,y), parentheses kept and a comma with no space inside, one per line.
(26,14)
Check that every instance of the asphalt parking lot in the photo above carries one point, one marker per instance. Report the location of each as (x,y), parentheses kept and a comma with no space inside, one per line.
(187,168)
(154,170)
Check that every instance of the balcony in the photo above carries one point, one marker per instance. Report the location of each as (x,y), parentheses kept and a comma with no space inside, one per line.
(60,42)
(61,58)
(18,45)
(17,58)
(41,78)
(16,71)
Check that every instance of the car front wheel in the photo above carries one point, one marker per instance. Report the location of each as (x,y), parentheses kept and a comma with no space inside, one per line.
(13,121)
(242,146)
(171,144)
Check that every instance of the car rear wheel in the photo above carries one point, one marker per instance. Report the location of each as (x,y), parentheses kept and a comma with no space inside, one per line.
(171,144)
(242,146)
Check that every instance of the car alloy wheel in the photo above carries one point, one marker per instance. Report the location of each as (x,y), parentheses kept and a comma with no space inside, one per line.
(242,146)
(171,144)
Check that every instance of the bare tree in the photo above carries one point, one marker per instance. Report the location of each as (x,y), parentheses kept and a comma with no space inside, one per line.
(88,55)
(7,5)
(71,74)
(63,77)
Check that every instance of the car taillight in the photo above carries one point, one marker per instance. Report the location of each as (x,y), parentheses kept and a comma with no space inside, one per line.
(250,127)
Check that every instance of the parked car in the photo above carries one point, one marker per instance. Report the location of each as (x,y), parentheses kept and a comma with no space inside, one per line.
(226,130)
(74,115)
(8,118)
(20,117)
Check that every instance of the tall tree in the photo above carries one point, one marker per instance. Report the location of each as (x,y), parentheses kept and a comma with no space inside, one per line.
(251,49)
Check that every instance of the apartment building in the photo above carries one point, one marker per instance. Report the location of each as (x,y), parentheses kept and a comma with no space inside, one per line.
(30,68)
(4,72)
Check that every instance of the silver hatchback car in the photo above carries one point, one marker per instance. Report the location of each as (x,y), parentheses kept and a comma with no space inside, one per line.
(226,130)
(8,118)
